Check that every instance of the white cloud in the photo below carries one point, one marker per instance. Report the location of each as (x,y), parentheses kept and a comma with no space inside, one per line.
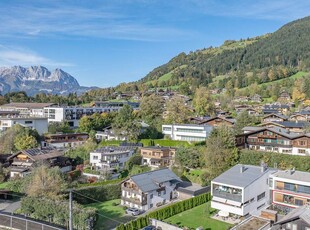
(17,56)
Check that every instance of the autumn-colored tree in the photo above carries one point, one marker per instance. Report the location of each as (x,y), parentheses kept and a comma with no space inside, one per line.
(46,182)
(177,111)
(203,102)
(25,141)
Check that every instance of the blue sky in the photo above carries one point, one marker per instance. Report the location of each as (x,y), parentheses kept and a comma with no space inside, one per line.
(106,42)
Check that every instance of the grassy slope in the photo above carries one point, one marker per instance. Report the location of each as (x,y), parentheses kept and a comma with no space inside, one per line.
(106,211)
(197,217)
(3,185)
(294,77)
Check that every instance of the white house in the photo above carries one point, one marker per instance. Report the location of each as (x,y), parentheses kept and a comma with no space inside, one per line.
(241,190)
(188,132)
(150,189)
(26,109)
(38,123)
(111,157)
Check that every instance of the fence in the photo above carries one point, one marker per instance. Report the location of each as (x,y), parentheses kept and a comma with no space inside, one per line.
(24,223)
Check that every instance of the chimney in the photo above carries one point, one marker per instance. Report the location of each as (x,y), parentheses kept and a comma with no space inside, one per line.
(242,168)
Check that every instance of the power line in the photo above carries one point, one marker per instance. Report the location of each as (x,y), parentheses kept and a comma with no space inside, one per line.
(98,202)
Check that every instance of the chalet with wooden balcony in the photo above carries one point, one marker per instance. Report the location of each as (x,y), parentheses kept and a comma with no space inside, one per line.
(151,189)
(219,120)
(64,140)
(290,188)
(157,157)
(24,161)
(277,140)
(274,117)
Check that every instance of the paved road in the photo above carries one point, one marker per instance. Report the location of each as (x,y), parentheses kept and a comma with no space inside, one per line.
(9,206)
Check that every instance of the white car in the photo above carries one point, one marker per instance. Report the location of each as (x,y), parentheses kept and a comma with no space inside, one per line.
(133,211)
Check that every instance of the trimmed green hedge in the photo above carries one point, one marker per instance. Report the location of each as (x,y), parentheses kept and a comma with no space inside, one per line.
(43,209)
(283,161)
(166,212)
(98,193)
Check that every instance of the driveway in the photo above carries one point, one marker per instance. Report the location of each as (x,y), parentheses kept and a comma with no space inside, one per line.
(9,206)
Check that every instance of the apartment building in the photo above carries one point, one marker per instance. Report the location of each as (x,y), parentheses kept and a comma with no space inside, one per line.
(150,189)
(290,189)
(241,190)
(277,140)
(187,132)
(156,156)
(38,123)
(111,157)
(64,140)
(26,109)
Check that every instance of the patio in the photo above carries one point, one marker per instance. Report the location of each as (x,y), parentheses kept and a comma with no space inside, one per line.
(229,219)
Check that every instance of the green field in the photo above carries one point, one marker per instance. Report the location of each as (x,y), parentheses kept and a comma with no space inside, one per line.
(4,185)
(294,77)
(197,217)
(110,215)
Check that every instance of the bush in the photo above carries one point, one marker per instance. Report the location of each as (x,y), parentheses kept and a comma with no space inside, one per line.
(99,193)
(166,212)
(41,208)
(283,161)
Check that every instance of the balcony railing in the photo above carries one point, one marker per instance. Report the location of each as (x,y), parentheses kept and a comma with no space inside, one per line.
(292,190)
(135,200)
(270,144)
(228,196)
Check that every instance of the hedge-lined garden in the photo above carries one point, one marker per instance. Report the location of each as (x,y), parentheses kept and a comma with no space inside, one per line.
(283,161)
(166,212)
(57,211)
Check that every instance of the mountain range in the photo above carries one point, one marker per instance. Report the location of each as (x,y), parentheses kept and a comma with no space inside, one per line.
(36,79)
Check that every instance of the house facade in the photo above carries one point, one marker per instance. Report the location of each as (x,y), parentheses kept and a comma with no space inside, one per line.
(25,160)
(290,189)
(277,140)
(64,140)
(187,132)
(151,189)
(38,123)
(219,120)
(111,157)
(274,117)
(157,157)
(241,190)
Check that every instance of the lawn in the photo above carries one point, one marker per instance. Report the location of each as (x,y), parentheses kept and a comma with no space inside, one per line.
(110,215)
(3,185)
(197,217)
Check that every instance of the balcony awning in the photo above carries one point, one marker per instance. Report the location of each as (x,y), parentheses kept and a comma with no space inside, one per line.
(223,200)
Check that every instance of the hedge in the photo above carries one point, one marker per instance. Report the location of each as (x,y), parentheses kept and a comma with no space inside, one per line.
(283,161)
(43,209)
(101,183)
(98,193)
(166,212)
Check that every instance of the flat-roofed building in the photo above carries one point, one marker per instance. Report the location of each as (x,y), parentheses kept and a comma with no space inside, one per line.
(241,190)
(156,156)
(290,188)
(27,109)
(187,132)
(38,123)
(111,157)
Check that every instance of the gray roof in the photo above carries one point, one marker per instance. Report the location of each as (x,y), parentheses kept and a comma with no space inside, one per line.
(234,177)
(293,175)
(278,115)
(114,149)
(293,124)
(149,181)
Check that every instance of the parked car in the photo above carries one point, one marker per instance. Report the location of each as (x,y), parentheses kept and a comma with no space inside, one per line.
(133,211)
(150,227)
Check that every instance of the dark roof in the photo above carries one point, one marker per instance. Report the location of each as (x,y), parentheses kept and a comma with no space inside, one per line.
(293,124)
(192,189)
(230,120)
(234,177)
(277,115)
(40,154)
(150,181)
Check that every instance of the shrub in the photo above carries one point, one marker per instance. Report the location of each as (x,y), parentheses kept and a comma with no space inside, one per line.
(41,208)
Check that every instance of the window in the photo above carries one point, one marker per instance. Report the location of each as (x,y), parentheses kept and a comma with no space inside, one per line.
(302,142)
(260,206)
(95,157)
(299,202)
(270,182)
(294,226)
(151,205)
(164,192)
(158,193)
(289,225)
(260,196)
(302,151)
(252,200)
(28,122)
(151,196)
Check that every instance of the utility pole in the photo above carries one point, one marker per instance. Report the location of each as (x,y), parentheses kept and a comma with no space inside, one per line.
(70,210)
